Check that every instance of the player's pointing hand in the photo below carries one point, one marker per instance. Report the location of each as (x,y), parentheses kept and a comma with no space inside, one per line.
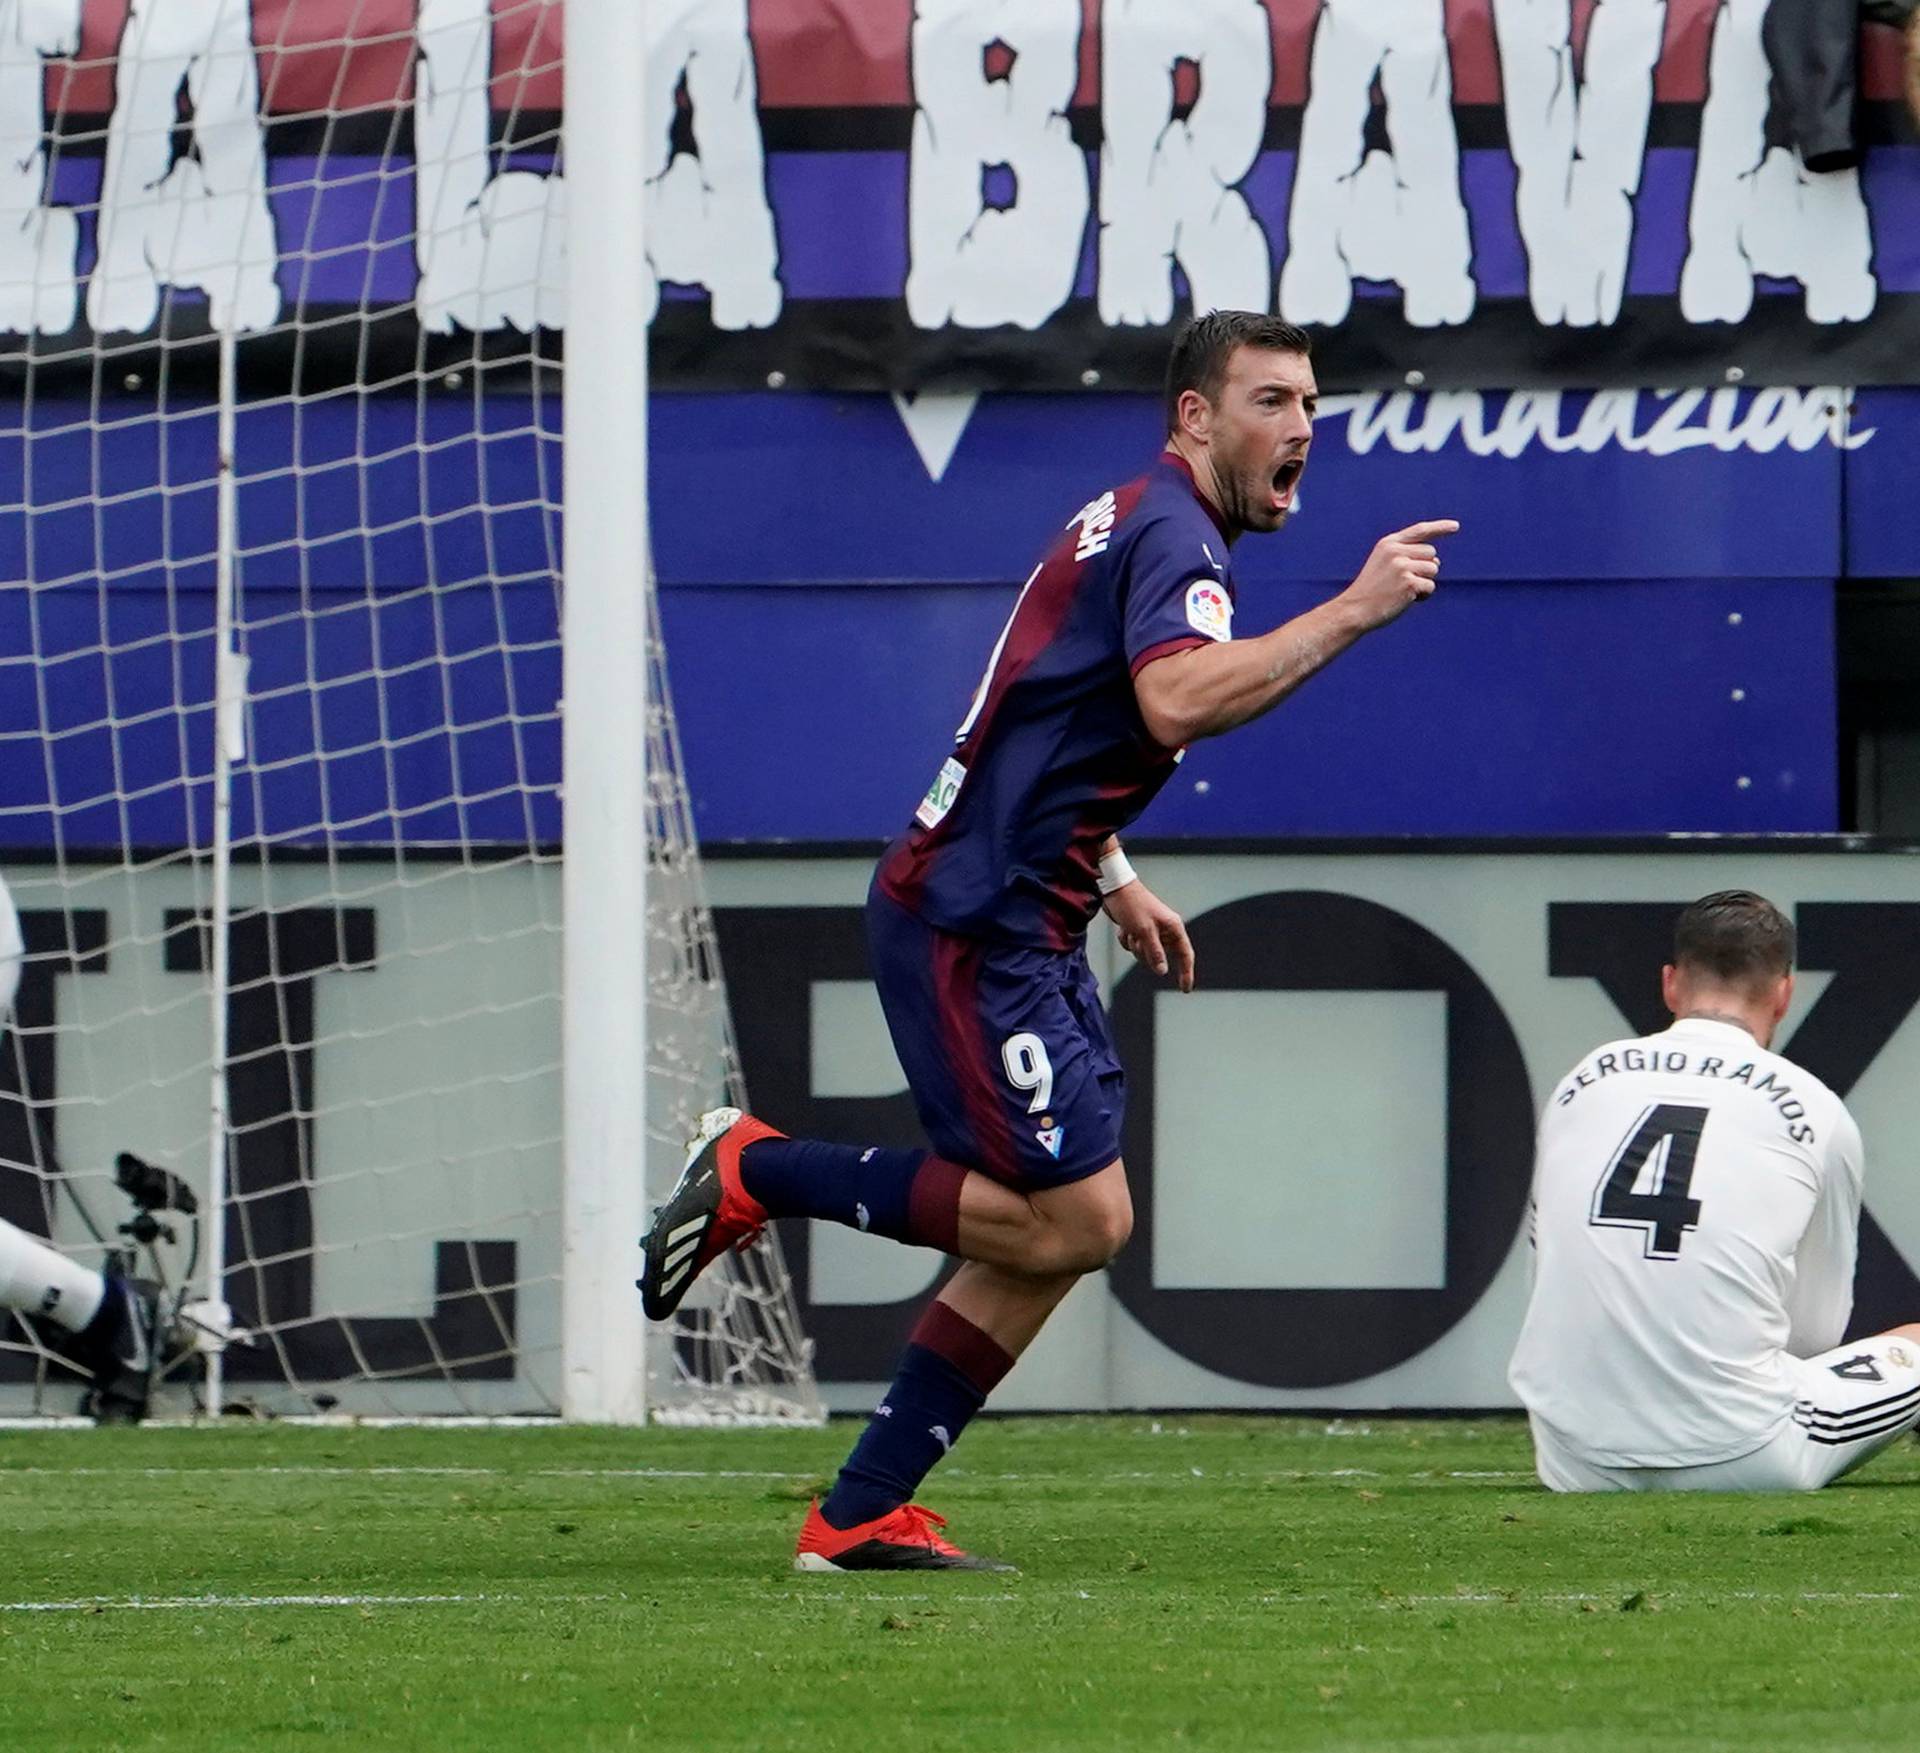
(1403,568)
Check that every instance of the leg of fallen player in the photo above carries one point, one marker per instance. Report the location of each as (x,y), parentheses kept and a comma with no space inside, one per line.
(112,1320)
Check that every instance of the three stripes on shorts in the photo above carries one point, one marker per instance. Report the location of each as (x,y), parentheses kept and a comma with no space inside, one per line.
(1860,1423)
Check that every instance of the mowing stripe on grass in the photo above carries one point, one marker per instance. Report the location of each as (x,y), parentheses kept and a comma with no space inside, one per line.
(198,1603)
(1137,1477)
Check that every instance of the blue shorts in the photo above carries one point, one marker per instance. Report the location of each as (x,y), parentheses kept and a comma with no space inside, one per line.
(1006,1049)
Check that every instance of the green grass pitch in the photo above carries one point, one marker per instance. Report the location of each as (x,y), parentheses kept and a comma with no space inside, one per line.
(1187,1583)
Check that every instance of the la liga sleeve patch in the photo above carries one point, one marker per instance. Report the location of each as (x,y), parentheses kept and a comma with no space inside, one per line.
(1209,609)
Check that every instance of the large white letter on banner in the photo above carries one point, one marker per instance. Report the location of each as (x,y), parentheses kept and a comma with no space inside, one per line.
(1360,215)
(708,222)
(1758,211)
(201,221)
(39,294)
(1167,187)
(490,248)
(976,261)
(1579,146)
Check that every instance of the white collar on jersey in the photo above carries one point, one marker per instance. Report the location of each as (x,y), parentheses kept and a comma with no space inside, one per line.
(1714,1029)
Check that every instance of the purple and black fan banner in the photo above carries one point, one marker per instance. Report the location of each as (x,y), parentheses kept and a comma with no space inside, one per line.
(879,194)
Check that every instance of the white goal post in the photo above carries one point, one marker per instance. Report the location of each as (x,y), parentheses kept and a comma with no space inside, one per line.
(605,887)
(341,796)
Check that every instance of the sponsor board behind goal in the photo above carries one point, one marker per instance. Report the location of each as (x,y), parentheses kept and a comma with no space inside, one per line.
(1329,1140)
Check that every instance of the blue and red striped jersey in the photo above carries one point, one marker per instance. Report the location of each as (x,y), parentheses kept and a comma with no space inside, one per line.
(1053,755)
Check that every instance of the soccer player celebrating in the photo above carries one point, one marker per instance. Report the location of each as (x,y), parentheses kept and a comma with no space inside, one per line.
(1119,653)
(1696,1203)
(111,1321)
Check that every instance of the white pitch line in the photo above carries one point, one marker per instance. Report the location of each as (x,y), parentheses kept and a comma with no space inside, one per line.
(814,1590)
(195,1603)
(302,1470)
(317,1421)
(1657,1596)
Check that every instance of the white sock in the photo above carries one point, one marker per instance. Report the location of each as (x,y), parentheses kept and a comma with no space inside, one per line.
(39,1280)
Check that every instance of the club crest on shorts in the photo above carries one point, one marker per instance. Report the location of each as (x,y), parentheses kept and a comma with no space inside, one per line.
(1050,1137)
(1209,609)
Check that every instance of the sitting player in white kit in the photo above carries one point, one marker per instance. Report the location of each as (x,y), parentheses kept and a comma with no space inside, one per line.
(1696,1207)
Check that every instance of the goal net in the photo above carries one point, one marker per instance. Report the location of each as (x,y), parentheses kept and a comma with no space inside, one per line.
(281,749)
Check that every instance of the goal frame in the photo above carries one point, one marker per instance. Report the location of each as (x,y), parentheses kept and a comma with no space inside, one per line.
(605,778)
(342,652)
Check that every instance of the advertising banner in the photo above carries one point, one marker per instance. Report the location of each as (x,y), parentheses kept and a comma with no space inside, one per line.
(1328,1142)
(968,193)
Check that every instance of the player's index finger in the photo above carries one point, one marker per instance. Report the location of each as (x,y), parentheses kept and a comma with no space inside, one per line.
(1425,532)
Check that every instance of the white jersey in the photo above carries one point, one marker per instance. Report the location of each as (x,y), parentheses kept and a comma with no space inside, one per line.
(1696,1207)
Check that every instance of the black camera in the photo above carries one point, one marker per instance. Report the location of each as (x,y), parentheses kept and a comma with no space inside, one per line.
(151,1188)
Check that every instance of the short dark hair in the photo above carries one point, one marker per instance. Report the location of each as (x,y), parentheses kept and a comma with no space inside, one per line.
(1734,937)
(1203,348)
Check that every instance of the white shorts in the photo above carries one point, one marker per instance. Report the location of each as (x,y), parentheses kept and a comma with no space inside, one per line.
(1852,1402)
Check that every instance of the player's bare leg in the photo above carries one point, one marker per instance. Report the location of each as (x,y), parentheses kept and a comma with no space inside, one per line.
(1009,1307)
(1071,1229)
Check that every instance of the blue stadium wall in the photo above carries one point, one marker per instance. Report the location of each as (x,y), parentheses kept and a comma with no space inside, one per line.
(1632,636)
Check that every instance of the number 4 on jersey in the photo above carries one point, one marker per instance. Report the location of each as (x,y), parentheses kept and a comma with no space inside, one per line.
(1665,1212)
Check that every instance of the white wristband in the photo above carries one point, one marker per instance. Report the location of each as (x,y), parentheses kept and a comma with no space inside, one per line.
(1115,871)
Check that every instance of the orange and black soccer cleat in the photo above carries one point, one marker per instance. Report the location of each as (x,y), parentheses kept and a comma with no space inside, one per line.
(904,1539)
(708,1211)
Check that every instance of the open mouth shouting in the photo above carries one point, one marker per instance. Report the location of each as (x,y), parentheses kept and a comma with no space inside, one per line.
(1285,479)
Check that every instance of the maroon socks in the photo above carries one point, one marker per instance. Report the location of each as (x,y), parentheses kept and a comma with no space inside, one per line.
(949,1369)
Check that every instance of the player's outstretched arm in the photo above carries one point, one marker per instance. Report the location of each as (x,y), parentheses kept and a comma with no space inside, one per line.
(1210,689)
